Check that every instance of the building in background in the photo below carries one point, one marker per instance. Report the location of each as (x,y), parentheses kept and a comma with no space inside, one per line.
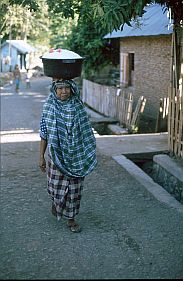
(17,52)
(145,57)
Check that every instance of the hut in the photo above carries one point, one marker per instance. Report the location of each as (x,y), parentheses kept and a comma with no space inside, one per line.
(16,52)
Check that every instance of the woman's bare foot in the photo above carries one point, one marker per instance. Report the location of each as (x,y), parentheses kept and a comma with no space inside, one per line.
(74,227)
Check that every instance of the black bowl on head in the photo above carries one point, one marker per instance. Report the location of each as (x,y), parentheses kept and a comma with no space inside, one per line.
(62,68)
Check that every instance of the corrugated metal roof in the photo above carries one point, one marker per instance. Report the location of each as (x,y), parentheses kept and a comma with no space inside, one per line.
(22,46)
(153,22)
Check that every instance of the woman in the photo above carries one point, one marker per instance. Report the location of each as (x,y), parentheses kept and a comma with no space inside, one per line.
(66,129)
(17,77)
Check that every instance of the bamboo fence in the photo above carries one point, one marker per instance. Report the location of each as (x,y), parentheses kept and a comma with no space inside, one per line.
(175,122)
(113,102)
(175,112)
(110,101)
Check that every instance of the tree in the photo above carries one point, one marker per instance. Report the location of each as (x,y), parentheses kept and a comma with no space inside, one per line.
(6,5)
(96,18)
(22,22)
(86,39)
(60,30)
(109,14)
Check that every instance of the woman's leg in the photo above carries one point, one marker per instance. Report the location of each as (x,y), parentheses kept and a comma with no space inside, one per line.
(75,190)
(66,195)
(17,84)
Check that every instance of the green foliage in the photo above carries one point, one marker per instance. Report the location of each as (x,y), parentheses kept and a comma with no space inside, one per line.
(3,11)
(20,22)
(86,40)
(108,14)
(67,8)
(40,26)
(78,25)
(111,14)
(60,29)
(32,4)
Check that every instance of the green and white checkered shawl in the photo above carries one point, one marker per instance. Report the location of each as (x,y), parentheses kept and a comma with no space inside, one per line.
(71,141)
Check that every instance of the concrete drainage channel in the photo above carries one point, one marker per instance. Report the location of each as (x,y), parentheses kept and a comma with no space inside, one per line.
(154,167)
(169,175)
(159,174)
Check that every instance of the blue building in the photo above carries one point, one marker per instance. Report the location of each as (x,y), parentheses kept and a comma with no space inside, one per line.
(16,52)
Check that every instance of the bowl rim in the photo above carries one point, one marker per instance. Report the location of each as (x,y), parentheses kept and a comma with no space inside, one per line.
(82,58)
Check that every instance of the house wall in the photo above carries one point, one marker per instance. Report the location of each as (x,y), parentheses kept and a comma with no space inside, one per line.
(23,60)
(151,68)
(5,53)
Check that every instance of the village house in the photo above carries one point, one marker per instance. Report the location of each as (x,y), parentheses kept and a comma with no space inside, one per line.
(16,52)
(145,57)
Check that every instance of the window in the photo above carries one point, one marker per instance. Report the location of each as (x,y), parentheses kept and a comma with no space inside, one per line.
(127,69)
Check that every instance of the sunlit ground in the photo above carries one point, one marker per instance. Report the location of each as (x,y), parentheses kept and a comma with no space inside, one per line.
(24,95)
(27,135)
(6,94)
(22,135)
(19,135)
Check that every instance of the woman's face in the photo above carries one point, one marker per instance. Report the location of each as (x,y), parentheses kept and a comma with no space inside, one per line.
(63,92)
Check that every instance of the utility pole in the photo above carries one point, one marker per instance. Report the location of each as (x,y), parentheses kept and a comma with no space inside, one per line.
(10,38)
(1,36)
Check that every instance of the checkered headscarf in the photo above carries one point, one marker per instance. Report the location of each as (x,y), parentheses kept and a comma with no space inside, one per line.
(58,83)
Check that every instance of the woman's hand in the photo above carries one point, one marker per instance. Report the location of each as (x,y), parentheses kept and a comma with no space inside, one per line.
(42,164)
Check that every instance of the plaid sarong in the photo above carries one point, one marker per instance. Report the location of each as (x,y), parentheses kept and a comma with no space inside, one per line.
(65,191)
